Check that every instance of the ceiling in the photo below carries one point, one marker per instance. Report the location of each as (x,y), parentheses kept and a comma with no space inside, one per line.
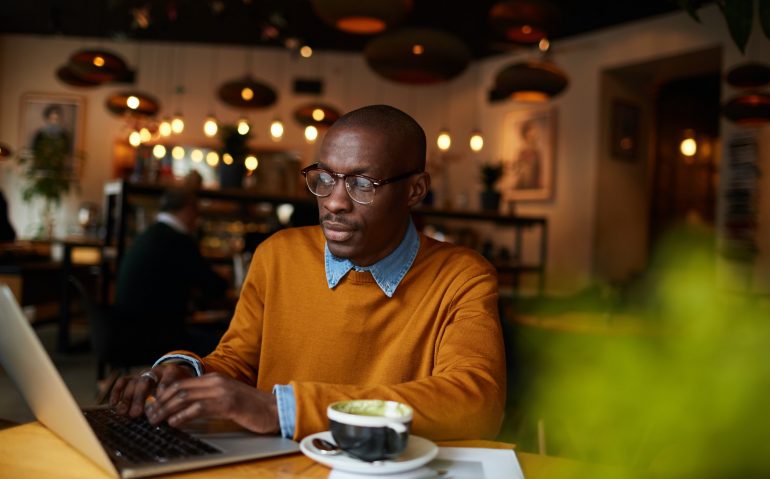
(276,22)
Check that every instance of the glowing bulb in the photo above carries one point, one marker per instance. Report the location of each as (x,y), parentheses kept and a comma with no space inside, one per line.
(526,29)
(688,147)
(196,155)
(243,126)
(159,151)
(98,61)
(132,102)
(227,159)
(210,126)
(247,94)
(251,162)
(212,158)
(306,52)
(177,124)
(165,128)
(444,141)
(318,114)
(311,133)
(418,49)
(177,152)
(134,139)
(145,134)
(476,141)
(276,130)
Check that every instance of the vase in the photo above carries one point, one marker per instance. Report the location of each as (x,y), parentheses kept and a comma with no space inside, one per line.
(490,200)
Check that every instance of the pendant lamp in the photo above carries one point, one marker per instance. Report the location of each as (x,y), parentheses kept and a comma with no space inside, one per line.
(247,93)
(749,75)
(524,22)
(66,75)
(318,115)
(362,17)
(137,103)
(748,109)
(417,56)
(99,66)
(532,81)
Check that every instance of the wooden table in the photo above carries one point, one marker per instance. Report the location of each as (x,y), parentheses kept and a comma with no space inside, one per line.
(31,451)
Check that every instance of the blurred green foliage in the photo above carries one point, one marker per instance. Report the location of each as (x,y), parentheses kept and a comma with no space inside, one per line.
(685,397)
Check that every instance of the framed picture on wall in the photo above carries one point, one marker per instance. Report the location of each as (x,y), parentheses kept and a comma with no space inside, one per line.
(529,140)
(52,124)
(624,130)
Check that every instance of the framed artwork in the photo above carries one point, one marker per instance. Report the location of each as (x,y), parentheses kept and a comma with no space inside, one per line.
(529,140)
(52,121)
(624,130)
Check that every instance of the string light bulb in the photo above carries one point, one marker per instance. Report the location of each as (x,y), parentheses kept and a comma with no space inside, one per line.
(134,139)
(476,141)
(243,126)
(444,140)
(276,130)
(210,126)
(159,151)
(177,124)
(165,128)
(251,162)
(311,133)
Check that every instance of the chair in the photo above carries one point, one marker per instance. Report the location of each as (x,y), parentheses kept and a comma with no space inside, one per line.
(114,342)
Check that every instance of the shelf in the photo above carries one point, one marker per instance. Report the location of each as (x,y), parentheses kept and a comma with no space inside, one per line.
(482,216)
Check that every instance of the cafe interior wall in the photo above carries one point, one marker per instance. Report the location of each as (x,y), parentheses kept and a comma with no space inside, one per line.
(27,63)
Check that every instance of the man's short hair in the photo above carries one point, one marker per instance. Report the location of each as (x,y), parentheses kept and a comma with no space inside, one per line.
(177,199)
(405,135)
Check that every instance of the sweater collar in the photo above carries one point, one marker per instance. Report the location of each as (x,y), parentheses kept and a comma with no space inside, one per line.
(387,272)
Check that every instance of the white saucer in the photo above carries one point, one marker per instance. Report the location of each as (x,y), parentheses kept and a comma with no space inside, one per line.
(419,451)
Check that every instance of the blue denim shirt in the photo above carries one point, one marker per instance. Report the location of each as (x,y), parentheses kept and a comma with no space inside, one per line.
(388,273)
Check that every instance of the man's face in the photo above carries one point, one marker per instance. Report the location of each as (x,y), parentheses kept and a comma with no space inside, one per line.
(363,233)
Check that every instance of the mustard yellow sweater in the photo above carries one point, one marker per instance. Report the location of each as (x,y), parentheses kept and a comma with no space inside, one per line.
(435,345)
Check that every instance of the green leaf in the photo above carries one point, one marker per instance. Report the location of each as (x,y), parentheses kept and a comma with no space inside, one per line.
(739,15)
(764,16)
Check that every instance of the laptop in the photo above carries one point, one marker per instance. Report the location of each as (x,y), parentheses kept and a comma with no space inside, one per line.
(29,366)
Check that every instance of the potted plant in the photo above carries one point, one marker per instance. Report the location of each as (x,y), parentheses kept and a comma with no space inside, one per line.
(490,175)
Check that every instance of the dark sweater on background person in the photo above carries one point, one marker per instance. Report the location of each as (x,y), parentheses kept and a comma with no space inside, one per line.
(159,277)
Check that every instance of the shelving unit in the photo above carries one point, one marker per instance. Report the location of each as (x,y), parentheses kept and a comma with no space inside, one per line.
(516,266)
(242,206)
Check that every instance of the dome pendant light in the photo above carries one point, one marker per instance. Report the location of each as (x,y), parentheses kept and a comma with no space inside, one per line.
(362,17)
(529,81)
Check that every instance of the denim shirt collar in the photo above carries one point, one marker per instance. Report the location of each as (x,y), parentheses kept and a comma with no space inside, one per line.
(387,272)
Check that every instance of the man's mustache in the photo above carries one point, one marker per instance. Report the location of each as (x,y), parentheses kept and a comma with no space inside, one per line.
(340,220)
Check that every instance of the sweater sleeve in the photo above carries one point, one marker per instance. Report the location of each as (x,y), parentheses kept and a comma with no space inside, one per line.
(463,398)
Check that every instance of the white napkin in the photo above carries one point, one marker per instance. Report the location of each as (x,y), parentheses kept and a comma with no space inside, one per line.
(421,473)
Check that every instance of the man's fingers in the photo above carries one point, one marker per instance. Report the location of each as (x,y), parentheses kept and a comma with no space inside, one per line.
(142,387)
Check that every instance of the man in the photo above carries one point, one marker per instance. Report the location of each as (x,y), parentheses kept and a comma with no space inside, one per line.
(162,274)
(361,307)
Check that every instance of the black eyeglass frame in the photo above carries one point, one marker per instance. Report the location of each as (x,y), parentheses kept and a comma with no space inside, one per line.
(375,182)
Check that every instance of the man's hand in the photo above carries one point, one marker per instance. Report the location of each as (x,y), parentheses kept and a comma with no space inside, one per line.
(215,395)
(130,392)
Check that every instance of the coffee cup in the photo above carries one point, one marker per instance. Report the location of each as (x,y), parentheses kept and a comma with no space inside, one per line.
(370,429)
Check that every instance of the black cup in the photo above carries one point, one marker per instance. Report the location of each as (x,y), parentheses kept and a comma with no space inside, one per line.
(370,429)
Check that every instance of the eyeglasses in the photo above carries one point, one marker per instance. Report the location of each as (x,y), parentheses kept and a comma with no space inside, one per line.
(361,188)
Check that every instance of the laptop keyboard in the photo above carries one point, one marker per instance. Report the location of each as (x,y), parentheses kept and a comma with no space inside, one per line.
(135,440)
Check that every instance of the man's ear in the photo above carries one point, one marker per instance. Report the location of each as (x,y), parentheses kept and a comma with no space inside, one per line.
(418,188)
